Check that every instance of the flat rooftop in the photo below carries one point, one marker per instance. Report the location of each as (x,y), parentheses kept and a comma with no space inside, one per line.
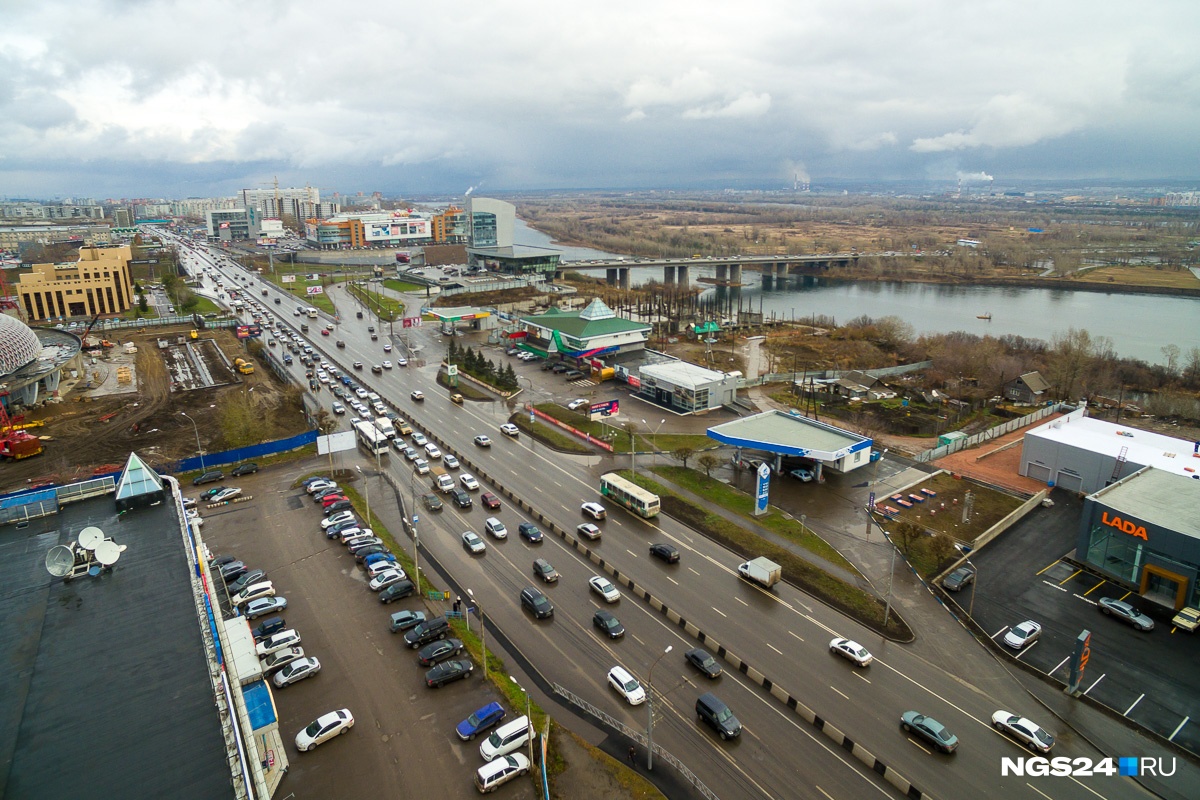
(1162,498)
(791,435)
(106,691)
(1144,448)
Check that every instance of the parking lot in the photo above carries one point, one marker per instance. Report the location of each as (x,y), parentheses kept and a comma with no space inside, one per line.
(403,740)
(1148,677)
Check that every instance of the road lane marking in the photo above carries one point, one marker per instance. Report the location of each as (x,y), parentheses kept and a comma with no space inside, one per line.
(1094,588)
(846,696)
(861,677)
(1039,791)
(697,574)
(798,636)
(631,553)
(1093,686)
(1021,654)
(1135,702)
(1058,666)
(997,633)
(773,647)
(918,745)
(672,580)
(1051,564)
(1072,575)
(719,611)
(1171,738)
(822,791)
(743,602)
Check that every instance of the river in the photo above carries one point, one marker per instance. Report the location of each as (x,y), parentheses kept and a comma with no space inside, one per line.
(1139,325)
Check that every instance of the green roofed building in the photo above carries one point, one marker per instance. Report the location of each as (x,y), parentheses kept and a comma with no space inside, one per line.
(595,332)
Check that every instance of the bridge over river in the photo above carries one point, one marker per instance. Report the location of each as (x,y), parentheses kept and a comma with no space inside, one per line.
(676,271)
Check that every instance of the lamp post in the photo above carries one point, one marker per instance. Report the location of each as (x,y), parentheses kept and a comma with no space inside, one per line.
(874,481)
(482,629)
(887,609)
(974,586)
(528,718)
(367,491)
(650,710)
(199,449)
(416,537)
(654,457)
(629,426)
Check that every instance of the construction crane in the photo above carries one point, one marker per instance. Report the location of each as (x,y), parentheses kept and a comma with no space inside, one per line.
(14,442)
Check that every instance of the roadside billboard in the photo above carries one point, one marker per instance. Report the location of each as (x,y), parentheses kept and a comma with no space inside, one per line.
(314,289)
(605,408)
(248,331)
(287,278)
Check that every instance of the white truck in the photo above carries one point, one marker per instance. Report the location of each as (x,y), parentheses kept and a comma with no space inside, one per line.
(384,426)
(763,571)
(442,481)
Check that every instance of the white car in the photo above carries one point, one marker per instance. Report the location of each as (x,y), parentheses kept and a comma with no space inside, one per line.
(361,392)
(496,528)
(418,396)
(472,542)
(594,510)
(324,728)
(603,587)
(379,408)
(228,493)
(379,567)
(508,429)
(421,466)
(1027,732)
(385,579)
(588,530)
(626,686)
(337,519)
(851,650)
(500,771)
(298,670)
(432,450)
(387,364)
(419,439)
(449,461)
(288,638)
(387,348)
(574,404)
(468,481)
(338,409)
(483,441)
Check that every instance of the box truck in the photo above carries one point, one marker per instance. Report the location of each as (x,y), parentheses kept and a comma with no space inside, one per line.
(763,571)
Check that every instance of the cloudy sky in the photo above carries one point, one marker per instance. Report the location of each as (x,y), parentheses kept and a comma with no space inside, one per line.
(126,98)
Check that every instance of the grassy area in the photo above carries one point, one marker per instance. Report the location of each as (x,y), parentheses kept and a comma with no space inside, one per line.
(1147,275)
(386,308)
(136,313)
(855,602)
(299,287)
(553,437)
(619,437)
(403,286)
(205,306)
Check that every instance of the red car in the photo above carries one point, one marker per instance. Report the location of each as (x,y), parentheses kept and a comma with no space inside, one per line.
(324,332)
(330,499)
(490,500)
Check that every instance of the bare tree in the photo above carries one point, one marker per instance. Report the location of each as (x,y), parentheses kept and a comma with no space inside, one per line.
(906,535)
(682,454)
(708,462)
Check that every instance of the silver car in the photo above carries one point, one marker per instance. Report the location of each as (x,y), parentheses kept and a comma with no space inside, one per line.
(1112,607)
(1021,636)
(298,670)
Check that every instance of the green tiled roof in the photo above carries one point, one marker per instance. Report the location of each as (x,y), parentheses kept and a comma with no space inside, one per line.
(571,324)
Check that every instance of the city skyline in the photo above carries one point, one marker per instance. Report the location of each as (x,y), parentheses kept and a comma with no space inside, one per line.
(531,96)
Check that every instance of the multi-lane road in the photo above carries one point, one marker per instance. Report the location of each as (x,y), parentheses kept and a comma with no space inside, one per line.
(783,634)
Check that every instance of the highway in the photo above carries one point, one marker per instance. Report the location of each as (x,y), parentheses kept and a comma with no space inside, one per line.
(783,634)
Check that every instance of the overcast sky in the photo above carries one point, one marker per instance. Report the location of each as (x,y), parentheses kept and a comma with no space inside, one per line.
(127,98)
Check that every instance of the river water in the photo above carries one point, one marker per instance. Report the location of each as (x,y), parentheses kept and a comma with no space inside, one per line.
(1139,325)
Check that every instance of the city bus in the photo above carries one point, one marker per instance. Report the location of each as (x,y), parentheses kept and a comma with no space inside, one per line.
(629,494)
(371,439)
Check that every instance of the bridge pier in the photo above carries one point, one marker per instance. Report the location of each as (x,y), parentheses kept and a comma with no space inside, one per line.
(735,273)
(684,280)
(610,276)
(623,273)
(669,276)
(722,273)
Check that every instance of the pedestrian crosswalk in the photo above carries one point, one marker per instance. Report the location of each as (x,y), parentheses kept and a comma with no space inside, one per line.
(583,382)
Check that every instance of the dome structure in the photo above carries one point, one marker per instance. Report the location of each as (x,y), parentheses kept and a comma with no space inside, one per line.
(18,344)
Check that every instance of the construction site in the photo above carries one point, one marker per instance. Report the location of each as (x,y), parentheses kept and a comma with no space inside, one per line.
(143,392)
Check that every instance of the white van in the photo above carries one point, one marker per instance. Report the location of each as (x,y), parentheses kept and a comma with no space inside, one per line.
(253,592)
(506,739)
(500,771)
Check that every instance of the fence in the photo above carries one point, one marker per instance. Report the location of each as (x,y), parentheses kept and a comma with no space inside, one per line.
(44,502)
(832,374)
(244,453)
(636,736)
(991,433)
(587,437)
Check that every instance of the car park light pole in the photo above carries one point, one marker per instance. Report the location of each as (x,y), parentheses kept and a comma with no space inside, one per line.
(650,710)
(974,588)
(528,717)
(412,487)
(482,629)
(654,457)
(366,491)
(199,449)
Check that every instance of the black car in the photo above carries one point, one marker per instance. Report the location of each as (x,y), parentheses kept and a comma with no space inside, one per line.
(666,552)
(543,569)
(269,627)
(447,672)
(529,531)
(437,651)
(220,561)
(243,469)
(208,477)
(432,502)
(711,710)
(560,368)
(340,505)
(956,580)
(358,365)
(233,570)
(537,602)
(397,591)
(703,660)
(609,624)
(461,498)
(245,579)
(370,550)
(426,632)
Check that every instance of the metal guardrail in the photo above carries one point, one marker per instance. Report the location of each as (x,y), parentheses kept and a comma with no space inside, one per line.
(636,736)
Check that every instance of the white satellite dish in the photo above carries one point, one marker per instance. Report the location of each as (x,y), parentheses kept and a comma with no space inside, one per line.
(107,552)
(90,537)
(59,560)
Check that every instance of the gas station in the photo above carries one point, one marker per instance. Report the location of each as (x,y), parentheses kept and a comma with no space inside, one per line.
(784,435)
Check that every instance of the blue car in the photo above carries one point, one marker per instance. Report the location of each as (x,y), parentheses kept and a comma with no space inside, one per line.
(480,721)
(374,557)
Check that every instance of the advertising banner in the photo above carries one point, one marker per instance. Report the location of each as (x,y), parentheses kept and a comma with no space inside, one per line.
(605,408)
(287,278)
(335,442)
(762,489)
(411,322)
(248,331)
(314,289)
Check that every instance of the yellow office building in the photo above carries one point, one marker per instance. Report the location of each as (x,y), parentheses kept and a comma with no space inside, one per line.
(98,283)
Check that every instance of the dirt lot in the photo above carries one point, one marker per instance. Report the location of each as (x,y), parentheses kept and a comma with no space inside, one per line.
(148,421)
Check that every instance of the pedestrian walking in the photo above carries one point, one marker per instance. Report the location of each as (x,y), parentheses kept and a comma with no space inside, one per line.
(457,604)
(632,754)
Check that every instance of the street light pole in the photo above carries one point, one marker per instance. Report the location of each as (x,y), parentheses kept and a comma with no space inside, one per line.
(974,587)
(654,453)
(528,717)
(199,449)
(650,711)
(367,491)
(482,630)
(416,537)
(887,609)
(874,481)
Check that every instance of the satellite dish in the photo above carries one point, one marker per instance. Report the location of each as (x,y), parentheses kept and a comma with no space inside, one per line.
(107,552)
(93,570)
(59,560)
(90,537)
